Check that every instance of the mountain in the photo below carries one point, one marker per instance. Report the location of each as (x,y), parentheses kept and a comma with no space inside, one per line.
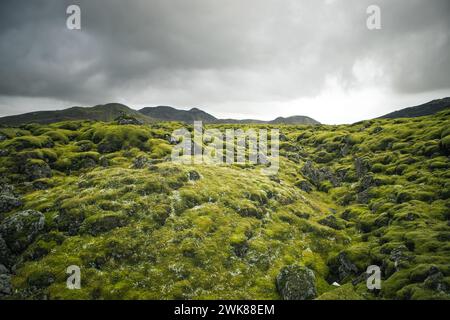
(294,120)
(165,113)
(106,112)
(426,109)
(111,111)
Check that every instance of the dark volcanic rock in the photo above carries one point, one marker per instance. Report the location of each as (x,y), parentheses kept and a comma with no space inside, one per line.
(343,267)
(296,283)
(20,229)
(318,175)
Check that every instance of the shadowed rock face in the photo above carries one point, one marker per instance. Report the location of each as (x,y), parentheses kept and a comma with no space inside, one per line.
(296,283)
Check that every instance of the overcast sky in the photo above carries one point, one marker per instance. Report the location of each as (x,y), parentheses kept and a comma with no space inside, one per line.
(235,58)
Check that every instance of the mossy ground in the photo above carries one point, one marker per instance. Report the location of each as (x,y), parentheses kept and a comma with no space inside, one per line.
(153,232)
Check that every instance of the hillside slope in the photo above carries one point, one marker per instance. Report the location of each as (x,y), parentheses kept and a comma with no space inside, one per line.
(107,198)
(426,109)
(106,112)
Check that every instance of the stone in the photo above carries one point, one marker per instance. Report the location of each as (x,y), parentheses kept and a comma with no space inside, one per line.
(9,202)
(140,162)
(362,167)
(125,119)
(304,185)
(194,175)
(296,283)
(398,255)
(345,267)
(5,285)
(21,229)
(37,170)
(319,175)
(435,280)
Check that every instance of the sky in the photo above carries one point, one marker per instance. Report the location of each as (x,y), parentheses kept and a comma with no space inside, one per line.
(234,59)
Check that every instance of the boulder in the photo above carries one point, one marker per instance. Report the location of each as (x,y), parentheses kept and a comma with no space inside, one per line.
(5,285)
(304,185)
(296,283)
(194,175)
(435,280)
(20,229)
(125,119)
(37,170)
(9,202)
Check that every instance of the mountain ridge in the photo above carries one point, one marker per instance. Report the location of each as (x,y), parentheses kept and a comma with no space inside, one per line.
(111,111)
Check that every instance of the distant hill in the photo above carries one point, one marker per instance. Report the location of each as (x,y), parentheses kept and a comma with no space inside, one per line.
(171,114)
(426,109)
(106,112)
(294,120)
(165,113)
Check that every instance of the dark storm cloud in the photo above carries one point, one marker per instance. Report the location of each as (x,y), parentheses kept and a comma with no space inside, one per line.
(201,52)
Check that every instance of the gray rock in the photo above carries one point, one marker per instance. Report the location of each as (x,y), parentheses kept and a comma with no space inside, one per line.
(194,175)
(362,167)
(398,255)
(345,267)
(296,283)
(35,171)
(9,202)
(3,138)
(127,120)
(21,229)
(318,175)
(140,162)
(5,285)
(435,280)
(304,185)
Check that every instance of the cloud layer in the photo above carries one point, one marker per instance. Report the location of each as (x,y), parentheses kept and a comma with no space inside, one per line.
(259,58)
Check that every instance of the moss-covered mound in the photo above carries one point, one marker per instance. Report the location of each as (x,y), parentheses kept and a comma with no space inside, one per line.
(107,198)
